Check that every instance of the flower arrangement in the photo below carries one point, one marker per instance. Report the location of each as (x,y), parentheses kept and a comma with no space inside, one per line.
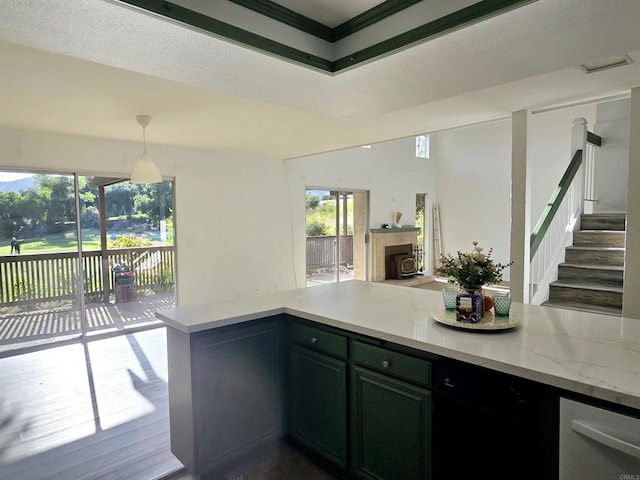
(472,269)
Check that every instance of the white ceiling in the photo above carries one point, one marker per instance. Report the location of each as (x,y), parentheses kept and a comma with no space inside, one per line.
(89,67)
(329,12)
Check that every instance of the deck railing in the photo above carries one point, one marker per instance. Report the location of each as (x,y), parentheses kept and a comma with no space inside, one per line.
(321,251)
(52,276)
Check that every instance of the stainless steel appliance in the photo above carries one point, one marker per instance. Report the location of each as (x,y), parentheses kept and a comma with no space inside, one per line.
(597,444)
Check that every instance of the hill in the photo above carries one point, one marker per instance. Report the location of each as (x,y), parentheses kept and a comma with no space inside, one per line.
(16,185)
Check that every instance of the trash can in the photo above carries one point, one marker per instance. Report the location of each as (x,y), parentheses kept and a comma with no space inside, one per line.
(124,281)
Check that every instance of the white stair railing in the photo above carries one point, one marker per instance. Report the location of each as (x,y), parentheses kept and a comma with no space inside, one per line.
(559,234)
(574,195)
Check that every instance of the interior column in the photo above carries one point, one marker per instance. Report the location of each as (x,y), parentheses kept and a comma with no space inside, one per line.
(520,211)
(631,299)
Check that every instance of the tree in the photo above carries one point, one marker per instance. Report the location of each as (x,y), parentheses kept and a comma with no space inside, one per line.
(155,200)
(119,199)
(313,201)
(35,208)
(88,195)
(61,200)
(316,227)
(90,217)
(10,217)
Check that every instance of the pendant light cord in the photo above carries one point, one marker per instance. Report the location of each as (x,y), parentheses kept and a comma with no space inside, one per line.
(144,140)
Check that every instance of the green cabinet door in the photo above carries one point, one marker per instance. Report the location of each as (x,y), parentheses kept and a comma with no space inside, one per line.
(237,389)
(318,405)
(390,428)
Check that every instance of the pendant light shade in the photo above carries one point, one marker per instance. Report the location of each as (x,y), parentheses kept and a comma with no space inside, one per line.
(145,171)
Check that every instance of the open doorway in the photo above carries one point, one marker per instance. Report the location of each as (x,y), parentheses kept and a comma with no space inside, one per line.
(336,235)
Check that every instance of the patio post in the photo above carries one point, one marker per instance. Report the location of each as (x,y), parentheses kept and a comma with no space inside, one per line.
(103,245)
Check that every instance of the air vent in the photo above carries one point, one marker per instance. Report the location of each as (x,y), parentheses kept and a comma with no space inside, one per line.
(606,63)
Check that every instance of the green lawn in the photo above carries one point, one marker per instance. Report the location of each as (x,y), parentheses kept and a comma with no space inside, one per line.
(62,242)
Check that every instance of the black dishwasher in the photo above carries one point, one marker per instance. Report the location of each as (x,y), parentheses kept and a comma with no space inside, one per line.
(491,425)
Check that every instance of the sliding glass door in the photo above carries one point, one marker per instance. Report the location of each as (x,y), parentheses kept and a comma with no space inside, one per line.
(335,225)
(53,287)
(40,269)
(128,253)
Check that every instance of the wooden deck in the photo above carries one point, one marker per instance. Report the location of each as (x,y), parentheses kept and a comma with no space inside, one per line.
(89,410)
(45,326)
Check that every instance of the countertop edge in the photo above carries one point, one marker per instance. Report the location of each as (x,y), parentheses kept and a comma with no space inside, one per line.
(600,393)
(233,320)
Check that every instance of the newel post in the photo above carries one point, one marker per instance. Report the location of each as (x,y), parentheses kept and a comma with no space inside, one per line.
(579,142)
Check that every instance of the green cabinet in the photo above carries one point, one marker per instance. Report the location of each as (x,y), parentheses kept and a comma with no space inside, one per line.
(319,410)
(364,407)
(225,392)
(390,415)
(317,392)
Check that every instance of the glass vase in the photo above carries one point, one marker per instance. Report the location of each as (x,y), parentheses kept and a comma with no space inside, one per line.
(501,303)
(449,296)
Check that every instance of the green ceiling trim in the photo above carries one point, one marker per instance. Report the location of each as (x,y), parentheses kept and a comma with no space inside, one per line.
(320,30)
(370,17)
(288,17)
(230,32)
(454,21)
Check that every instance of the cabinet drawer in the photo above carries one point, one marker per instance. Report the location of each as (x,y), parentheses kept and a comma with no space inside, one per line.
(319,340)
(412,369)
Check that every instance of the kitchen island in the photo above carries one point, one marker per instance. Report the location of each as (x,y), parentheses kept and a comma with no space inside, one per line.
(589,355)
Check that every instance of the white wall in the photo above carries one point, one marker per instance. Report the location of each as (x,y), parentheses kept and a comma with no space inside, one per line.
(473,187)
(390,171)
(474,177)
(612,125)
(233,230)
(550,151)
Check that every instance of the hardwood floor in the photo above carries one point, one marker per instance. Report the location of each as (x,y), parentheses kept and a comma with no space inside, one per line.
(279,462)
(99,411)
(87,411)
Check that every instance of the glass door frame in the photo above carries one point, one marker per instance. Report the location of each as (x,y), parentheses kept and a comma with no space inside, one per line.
(362,221)
(79,314)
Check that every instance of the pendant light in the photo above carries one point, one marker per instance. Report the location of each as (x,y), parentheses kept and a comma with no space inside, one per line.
(145,171)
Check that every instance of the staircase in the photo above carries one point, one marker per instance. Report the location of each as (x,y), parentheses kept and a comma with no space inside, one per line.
(590,279)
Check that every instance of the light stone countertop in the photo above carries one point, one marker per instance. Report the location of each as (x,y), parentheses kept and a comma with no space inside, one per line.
(591,354)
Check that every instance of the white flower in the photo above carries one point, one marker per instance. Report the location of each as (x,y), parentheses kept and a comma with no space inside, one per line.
(479,257)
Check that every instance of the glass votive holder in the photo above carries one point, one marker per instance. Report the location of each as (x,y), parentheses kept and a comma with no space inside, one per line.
(449,295)
(501,303)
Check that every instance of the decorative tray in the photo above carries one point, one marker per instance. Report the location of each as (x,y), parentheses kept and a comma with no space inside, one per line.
(489,321)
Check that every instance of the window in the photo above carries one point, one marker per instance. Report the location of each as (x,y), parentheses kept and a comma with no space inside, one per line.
(422,146)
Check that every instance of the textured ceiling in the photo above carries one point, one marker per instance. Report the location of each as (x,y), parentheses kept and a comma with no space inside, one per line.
(89,66)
